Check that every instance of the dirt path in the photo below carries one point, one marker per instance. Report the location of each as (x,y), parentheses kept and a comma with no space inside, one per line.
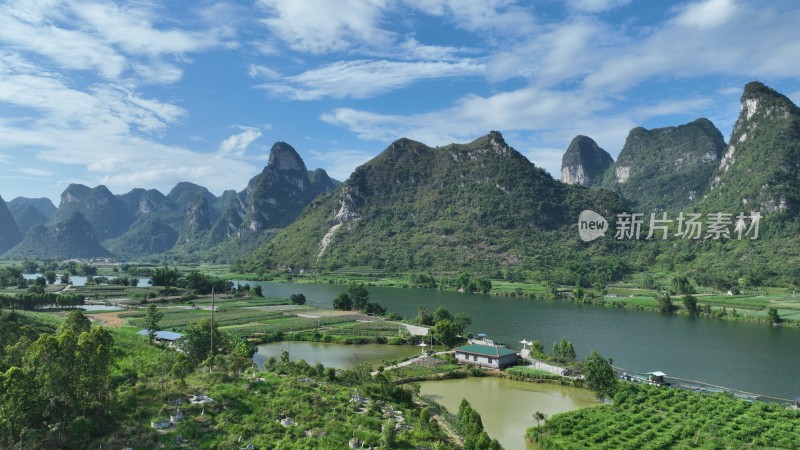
(109,319)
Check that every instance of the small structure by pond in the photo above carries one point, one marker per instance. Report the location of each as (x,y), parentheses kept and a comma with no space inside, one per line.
(486,356)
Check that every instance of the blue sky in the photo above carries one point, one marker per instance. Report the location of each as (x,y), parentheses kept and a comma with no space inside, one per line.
(148,93)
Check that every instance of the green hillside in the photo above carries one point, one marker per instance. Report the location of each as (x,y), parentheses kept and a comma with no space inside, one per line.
(481,207)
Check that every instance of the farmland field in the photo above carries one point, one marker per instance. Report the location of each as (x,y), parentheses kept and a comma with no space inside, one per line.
(652,417)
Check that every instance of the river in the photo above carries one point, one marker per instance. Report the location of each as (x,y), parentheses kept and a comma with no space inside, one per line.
(747,356)
(80,280)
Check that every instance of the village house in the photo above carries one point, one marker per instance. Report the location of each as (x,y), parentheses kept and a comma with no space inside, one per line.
(486,356)
(164,336)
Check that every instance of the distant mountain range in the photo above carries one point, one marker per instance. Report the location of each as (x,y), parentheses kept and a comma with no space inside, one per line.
(188,222)
(483,207)
(480,207)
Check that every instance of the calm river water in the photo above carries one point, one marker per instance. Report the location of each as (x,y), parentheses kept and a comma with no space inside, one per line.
(747,356)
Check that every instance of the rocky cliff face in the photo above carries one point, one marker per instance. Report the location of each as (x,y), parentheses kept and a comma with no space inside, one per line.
(197,222)
(585,162)
(108,215)
(760,168)
(279,193)
(666,168)
(9,232)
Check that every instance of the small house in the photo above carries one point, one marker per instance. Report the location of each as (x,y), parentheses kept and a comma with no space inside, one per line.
(163,336)
(486,356)
(657,379)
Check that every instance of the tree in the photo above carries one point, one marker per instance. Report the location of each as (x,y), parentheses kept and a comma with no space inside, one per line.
(196,342)
(422,316)
(259,291)
(665,304)
(50,276)
(773,317)
(343,302)
(462,321)
(76,323)
(151,319)
(681,285)
(375,309)
(163,276)
(298,299)
(360,296)
(690,303)
(539,416)
(600,375)
(564,349)
(441,314)
(446,332)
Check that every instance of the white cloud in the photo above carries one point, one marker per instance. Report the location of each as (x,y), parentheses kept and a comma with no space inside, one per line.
(257,71)
(744,41)
(132,30)
(499,17)
(320,26)
(529,108)
(237,144)
(34,172)
(595,6)
(706,13)
(100,37)
(363,79)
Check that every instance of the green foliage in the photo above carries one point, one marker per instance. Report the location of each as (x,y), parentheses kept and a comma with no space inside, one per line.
(564,350)
(530,373)
(32,300)
(199,283)
(343,302)
(690,303)
(151,321)
(59,394)
(470,426)
(359,295)
(651,417)
(422,316)
(600,375)
(298,299)
(162,276)
(681,285)
(196,342)
(773,317)
(474,207)
(665,304)
(446,332)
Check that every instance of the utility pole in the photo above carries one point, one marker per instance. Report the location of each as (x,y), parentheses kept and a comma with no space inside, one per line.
(211,350)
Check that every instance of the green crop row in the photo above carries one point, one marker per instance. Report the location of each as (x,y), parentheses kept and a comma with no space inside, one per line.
(652,417)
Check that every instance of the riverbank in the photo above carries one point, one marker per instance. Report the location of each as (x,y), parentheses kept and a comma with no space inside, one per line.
(752,305)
